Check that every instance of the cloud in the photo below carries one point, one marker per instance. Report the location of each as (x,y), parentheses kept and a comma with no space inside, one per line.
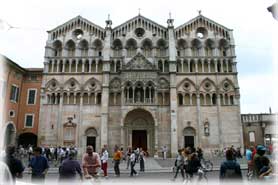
(258,93)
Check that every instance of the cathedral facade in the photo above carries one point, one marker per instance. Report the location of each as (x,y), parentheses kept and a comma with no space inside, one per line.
(140,84)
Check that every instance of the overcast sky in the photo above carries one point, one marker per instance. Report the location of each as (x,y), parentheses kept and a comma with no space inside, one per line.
(254,31)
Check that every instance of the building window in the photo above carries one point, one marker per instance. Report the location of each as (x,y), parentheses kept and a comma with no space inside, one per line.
(252,137)
(33,77)
(29,120)
(14,93)
(31,96)
(69,134)
(12,113)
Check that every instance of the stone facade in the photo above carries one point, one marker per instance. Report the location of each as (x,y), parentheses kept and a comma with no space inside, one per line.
(140,84)
(259,129)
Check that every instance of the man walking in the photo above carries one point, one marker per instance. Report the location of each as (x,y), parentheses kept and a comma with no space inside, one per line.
(90,163)
(39,166)
(116,158)
(179,163)
(68,169)
(104,161)
(132,164)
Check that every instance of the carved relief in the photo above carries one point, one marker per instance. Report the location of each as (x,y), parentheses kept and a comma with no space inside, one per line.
(139,62)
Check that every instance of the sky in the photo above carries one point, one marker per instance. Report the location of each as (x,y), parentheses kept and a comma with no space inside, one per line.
(255,33)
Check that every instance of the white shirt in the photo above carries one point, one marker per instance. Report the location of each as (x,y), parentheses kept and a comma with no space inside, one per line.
(132,157)
(104,157)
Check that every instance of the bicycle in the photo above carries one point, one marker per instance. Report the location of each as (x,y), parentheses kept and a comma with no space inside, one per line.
(207,164)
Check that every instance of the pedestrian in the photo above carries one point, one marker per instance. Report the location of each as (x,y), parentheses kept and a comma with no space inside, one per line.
(104,162)
(142,160)
(38,165)
(179,164)
(200,153)
(249,159)
(69,168)
(230,169)
(257,160)
(193,164)
(15,165)
(164,151)
(128,153)
(90,163)
(137,152)
(30,152)
(266,167)
(116,159)
(132,164)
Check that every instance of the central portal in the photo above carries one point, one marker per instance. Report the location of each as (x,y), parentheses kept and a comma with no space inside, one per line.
(139,131)
(139,139)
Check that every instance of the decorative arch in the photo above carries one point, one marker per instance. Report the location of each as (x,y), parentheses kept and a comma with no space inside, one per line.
(72,83)
(208,80)
(52,85)
(187,80)
(97,44)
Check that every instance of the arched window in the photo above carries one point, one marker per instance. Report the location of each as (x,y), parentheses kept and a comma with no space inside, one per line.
(147,47)
(117,45)
(181,46)
(161,48)
(70,46)
(84,47)
(131,46)
(195,47)
(180,97)
(97,45)
(57,45)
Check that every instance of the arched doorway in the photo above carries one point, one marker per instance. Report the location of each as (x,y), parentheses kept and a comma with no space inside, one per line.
(26,139)
(91,137)
(139,130)
(189,134)
(10,134)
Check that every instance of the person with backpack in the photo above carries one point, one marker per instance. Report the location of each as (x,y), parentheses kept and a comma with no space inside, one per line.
(257,160)
(230,169)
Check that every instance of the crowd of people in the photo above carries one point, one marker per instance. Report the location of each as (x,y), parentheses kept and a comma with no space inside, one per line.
(188,162)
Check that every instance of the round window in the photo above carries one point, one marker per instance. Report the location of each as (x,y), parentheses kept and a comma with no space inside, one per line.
(226,85)
(72,84)
(186,86)
(139,32)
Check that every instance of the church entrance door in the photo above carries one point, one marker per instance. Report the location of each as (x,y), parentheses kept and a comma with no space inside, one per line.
(139,139)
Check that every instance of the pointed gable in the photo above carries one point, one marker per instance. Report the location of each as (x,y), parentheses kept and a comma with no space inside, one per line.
(202,21)
(75,23)
(139,21)
(139,62)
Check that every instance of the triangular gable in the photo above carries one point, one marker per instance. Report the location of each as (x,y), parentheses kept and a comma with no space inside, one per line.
(76,19)
(142,18)
(205,18)
(139,62)
(77,22)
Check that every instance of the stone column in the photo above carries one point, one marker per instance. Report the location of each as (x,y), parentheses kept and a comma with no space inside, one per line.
(46,65)
(68,98)
(173,90)
(203,67)
(199,122)
(58,66)
(52,63)
(133,93)
(70,62)
(83,65)
(76,65)
(96,66)
(209,65)
(182,61)
(80,125)
(90,65)
(227,66)
(221,62)
(60,122)
(74,99)
(220,137)
(196,65)
(64,64)
(163,67)
(144,100)
(215,66)
(188,64)
(115,66)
